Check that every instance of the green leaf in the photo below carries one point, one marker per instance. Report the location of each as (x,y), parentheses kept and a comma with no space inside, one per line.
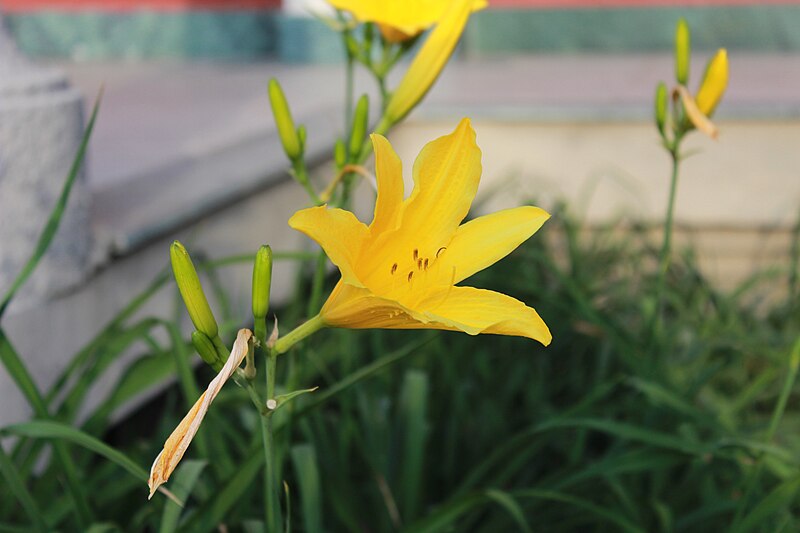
(504,500)
(778,500)
(17,486)
(54,220)
(304,459)
(412,420)
(48,429)
(182,483)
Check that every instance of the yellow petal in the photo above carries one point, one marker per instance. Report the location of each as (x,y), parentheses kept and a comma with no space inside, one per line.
(446,176)
(358,308)
(338,232)
(389,174)
(695,116)
(485,240)
(714,83)
(400,20)
(476,311)
(182,436)
(429,62)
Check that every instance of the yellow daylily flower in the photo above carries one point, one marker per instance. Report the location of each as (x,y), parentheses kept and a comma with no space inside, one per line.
(700,109)
(429,62)
(400,20)
(401,271)
(714,83)
(182,436)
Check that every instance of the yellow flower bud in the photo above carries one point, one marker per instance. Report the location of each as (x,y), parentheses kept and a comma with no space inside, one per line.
(360,123)
(206,351)
(661,107)
(682,52)
(192,291)
(429,62)
(714,83)
(283,120)
(262,281)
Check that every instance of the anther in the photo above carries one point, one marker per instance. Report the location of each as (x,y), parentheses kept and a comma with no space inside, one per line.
(419,264)
(416,254)
(410,275)
(440,250)
(425,265)
(394,268)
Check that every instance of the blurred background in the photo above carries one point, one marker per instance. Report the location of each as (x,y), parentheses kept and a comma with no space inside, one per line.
(185,146)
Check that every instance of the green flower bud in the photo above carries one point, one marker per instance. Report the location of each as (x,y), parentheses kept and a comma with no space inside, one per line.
(283,120)
(682,52)
(205,348)
(661,107)
(360,124)
(192,291)
(339,153)
(301,136)
(262,280)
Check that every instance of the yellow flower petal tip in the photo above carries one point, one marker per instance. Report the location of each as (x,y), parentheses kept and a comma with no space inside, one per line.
(402,271)
(182,436)
(400,20)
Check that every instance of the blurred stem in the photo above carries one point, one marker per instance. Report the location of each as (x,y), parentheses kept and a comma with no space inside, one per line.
(315,301)
(666,246)
(301,175)
(348,89)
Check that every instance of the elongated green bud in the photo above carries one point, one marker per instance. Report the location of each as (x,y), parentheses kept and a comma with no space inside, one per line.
(301,136)
(661,107)
(339,153)
(262,280)
(683,48)
(205,348)
(192,291)
(283,120)
(360,124)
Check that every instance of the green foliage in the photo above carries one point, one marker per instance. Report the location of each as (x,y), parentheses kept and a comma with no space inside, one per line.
(690,426)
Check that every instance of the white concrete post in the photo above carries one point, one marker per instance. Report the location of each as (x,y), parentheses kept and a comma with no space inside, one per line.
(41,124)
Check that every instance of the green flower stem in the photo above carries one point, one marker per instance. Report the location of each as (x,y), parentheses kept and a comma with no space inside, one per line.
(300,173)
(666,246)
(315,301)
(271,483)
(297,334)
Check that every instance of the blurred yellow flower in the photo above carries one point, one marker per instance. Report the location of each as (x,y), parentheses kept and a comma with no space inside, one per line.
(700,109)
(400,20)
(401,271)
(714,83)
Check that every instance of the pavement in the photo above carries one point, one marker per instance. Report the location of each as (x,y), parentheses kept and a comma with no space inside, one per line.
(174,141)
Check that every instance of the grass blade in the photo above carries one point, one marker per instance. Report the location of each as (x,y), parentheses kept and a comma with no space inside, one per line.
(304,459)
(17,486)
(182,483)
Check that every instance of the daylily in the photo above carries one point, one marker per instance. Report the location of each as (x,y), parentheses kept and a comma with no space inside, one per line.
(700,109)
(401,271)
(400,20)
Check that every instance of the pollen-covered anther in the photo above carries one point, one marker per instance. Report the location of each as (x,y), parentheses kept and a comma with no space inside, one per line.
(416,254)
(425,264)
(410,275)
(394,268)
(419,264)
(440,251)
